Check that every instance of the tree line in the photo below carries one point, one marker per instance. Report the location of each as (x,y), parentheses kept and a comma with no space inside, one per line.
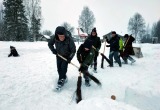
(20,20)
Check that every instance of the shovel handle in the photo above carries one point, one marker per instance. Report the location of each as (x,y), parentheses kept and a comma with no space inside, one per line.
(95,49)
(66,60)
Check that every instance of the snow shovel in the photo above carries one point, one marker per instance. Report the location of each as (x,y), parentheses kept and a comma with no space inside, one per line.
(84,72)
(102,61)
(78,90)
(109,62)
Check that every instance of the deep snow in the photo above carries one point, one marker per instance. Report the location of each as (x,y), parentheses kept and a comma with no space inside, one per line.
(27,82)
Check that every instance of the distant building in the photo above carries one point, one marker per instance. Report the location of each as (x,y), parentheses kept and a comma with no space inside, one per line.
(44,38)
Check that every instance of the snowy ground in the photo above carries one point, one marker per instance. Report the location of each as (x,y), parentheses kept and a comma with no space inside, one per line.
(27,82)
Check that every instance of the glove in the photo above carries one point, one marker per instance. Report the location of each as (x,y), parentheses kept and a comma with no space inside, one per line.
(81,69)
(107,45)
(80,61)
(69,60)
(54,52)
(97,49)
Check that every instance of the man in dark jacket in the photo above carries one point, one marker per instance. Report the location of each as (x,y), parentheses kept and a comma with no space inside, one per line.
(128,49)
(97,44)
(85,56)
(114,49)
(13,52)
(64,47)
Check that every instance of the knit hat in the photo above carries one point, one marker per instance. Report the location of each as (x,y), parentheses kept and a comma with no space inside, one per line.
(126,35)
(94,30)
(88,44)
(113,32)
(60,30)
(11,47)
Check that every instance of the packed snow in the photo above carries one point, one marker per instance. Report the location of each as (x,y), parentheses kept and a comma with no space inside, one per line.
(27,82)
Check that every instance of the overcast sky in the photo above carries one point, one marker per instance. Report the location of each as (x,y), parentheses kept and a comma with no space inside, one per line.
(109,14)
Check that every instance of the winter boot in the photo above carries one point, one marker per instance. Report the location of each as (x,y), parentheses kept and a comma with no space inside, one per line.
(95,70)
(61,82)
(87,83)
(125,60)
(131,59)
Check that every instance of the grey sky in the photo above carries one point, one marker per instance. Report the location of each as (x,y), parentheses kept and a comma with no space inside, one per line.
(109,14)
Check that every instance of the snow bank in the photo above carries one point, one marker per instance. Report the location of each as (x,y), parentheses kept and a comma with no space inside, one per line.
(145,94)
(103,104)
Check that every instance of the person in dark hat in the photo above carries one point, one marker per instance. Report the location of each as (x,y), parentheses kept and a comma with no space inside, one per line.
(128,49)
(63,45)
(85,56)
(114,49)
(97,44)
(13,52)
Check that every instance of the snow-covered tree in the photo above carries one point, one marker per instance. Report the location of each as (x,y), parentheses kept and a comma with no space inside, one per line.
(35,28)
(33,13)
(47,32)
(86,20)
(15,21)
(68,27)
(1,22)
(156,30)
(136,26)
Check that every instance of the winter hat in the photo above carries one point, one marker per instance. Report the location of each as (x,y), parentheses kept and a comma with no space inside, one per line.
(11,47)
(60,30)
(94,30)
(126,35)
(88,44)
(113,32)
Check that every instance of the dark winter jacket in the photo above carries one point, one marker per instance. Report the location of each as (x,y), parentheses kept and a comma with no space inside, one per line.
(13,53)
(65,48)
(128,45)
(114,43)
(85,57)
(96,42)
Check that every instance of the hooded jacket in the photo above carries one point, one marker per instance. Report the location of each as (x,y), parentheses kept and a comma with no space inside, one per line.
(85,57)
(65,48)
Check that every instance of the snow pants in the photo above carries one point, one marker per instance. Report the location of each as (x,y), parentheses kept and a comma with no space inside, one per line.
(62,67)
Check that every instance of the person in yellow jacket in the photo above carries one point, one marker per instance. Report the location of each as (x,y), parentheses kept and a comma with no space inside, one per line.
(121,47)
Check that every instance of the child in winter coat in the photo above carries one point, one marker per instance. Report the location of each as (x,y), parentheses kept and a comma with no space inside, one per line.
(85,56)
(13,52)
(97,44)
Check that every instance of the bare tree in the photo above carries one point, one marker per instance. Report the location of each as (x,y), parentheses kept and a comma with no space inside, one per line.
(86,19)
(32,8)
(68,27)
(33,13)
(136,26)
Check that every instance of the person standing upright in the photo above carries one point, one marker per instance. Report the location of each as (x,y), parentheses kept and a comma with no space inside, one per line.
(114,49)
(97,44)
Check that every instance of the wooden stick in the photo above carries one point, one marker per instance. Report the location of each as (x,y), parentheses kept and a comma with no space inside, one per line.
(86,73)
(102,61)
